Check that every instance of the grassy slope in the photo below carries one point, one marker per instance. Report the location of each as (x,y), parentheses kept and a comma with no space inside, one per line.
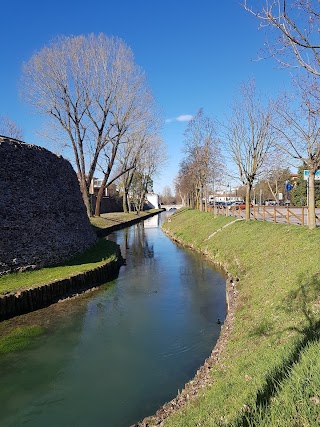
(271,362)
(116,218)
(104,251)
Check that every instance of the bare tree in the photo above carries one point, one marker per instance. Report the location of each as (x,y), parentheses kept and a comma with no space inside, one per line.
(85,85)
(250,137)
(151,159)
(296,25)
(144,133)
(202,148)
(185,183)
(166,195)
(10,128)
(135,117)
(298,134)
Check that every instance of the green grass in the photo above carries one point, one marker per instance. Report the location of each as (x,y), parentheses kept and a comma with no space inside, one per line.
(273,345)
(116,218)
(104,251)
(19,338)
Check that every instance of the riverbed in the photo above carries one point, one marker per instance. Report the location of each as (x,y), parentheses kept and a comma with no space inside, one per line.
(113,356)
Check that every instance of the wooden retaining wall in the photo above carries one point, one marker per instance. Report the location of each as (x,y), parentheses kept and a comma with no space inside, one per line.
(14,304)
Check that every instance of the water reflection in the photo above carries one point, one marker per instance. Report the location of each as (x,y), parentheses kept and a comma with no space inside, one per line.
(121,352)
(152,222)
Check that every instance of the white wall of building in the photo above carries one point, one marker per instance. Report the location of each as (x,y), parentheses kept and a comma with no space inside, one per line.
(153,200)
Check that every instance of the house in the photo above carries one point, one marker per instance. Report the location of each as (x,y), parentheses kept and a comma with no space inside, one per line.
(153,201)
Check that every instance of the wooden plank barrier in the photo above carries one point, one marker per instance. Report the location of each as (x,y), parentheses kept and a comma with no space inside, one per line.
(276,214)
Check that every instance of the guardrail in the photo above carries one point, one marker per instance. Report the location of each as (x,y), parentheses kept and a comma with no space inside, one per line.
(297,215)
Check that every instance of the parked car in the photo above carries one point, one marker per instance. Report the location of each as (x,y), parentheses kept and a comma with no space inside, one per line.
(239,205)
(270,203)
(223,204)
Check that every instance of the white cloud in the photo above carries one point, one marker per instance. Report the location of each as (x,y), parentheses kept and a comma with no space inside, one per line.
(184,118)
(181,118)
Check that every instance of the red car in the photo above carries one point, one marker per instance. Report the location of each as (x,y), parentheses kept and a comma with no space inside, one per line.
(241,206)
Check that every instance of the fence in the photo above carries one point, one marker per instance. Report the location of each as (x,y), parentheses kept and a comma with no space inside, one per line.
(277,214)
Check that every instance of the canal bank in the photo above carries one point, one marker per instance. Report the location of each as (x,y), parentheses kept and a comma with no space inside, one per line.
(202,378)
(269,361)
(24,300)
(110,222)
(122,350)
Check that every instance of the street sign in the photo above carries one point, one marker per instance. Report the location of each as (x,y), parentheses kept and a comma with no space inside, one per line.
(306,175)
(289,186)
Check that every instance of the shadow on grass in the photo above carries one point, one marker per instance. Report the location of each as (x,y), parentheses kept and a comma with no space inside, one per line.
(301,300)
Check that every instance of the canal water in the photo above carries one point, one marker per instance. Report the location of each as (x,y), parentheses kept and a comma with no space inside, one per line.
(115,355)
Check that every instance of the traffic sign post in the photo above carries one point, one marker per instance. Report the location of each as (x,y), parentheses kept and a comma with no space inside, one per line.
(288,187)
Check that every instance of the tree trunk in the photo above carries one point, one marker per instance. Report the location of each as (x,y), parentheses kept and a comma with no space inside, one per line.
(125,201)
(86,197)
(248,195)
(99,197)
(206,199)
(311,202)
(200,198)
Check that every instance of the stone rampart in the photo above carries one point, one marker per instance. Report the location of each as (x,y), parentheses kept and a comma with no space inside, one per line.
(43,220)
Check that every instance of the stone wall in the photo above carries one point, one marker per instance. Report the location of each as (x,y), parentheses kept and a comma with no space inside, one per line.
(43,220)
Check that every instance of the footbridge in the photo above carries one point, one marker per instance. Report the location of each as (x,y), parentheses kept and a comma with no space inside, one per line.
(171,207)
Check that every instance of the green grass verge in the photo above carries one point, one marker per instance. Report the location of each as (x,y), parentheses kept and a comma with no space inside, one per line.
(104,251)
(269,370)
(115,218)
(19,338)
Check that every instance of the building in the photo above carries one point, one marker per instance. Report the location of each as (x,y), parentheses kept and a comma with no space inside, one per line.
(153,201)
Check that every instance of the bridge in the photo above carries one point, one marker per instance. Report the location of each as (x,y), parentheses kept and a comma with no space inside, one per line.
(171,207)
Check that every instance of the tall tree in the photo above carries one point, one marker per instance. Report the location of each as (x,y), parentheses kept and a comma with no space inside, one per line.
(166,195)
(144,137)
(202,149)
(9,127)
(149,165)
(185,183)
(147,155)
(85,84)
(298,132)
(250,136)
(295,39)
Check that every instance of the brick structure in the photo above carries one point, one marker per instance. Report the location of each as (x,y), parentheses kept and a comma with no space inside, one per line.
(43,220)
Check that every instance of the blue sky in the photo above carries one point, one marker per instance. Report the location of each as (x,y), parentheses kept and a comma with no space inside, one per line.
(195,55)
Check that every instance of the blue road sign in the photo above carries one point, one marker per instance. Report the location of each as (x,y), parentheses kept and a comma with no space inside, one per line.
(306,175)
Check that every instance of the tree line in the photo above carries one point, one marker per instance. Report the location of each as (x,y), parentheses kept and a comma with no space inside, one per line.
(264,136)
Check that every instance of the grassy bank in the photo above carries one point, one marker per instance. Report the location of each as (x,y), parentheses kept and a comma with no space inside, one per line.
(104,251)
(268,374)
(112,219)
(14,339)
